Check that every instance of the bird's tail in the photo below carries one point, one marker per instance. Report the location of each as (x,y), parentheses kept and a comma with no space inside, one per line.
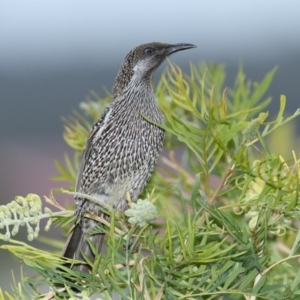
(77,246)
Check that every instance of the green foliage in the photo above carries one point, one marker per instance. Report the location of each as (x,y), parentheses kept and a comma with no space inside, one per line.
(228,206)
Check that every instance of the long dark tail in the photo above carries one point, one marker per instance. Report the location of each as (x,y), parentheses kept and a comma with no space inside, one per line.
(77,245)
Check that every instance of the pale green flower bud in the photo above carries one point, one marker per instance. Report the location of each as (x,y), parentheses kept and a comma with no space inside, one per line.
(47,227)
(141,213)
(6,237)
(250,132)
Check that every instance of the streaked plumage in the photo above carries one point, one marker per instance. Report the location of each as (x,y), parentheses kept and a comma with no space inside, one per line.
(123,147)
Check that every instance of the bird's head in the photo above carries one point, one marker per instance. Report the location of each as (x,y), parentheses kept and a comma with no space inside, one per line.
(141,61)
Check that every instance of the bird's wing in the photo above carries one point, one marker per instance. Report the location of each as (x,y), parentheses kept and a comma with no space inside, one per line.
(77,243)
(88,148)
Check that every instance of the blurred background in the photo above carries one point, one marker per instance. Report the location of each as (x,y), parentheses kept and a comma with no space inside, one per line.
(53,53)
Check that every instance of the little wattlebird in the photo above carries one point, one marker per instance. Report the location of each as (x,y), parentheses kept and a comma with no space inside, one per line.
(122,148)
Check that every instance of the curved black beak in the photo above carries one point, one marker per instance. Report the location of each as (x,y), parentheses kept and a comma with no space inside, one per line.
(179,47)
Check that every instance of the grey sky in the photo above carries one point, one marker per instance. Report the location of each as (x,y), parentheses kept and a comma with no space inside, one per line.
(50,34)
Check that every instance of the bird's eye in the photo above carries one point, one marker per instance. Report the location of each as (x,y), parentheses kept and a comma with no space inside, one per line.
(149,51)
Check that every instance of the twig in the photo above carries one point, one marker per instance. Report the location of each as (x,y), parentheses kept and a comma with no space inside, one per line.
(173,163)
(222,184)
(105,222)
(216,193)
(51,200)
(90,198)
(279,262)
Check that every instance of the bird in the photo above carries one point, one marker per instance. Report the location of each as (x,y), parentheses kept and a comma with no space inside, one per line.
(121,150)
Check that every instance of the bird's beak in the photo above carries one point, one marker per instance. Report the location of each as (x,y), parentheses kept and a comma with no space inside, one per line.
(179,47)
